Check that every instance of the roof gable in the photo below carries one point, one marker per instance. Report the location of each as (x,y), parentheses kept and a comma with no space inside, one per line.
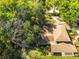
(60,34)
(63,48)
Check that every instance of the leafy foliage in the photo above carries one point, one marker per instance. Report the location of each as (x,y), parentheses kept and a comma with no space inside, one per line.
(34,54)
(69,10)
(18,17)
(20,23)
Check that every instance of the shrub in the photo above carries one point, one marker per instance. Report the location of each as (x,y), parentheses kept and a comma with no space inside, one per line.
(34,54)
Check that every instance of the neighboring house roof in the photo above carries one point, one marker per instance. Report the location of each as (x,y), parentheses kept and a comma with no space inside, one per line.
(63,48)
(60,33)
(49,36)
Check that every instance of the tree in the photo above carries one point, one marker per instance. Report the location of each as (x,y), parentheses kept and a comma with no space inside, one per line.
(68,9)
(20,23)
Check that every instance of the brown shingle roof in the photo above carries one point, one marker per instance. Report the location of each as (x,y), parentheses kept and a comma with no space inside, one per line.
(63,48)
(49,37)
(60,33)
(66,25)
(62,23)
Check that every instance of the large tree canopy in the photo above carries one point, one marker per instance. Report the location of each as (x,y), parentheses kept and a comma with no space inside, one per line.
(20,24)
(20,21)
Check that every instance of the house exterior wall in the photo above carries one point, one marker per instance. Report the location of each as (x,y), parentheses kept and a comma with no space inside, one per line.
(68,54)
(57,54)
(63,54)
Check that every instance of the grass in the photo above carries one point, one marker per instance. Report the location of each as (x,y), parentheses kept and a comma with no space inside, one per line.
(58,57)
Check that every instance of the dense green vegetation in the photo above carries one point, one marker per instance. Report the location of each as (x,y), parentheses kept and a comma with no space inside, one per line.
(77,46)
(21,22)
(69,10)
(77,43)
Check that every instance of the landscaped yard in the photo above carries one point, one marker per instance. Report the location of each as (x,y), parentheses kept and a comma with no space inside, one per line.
(77,43)
(58,57)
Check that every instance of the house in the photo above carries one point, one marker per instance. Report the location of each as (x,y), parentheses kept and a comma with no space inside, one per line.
(59,41)
(63,49)
(60,34)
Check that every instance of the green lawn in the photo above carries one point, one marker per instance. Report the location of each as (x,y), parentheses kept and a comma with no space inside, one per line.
(58,57)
